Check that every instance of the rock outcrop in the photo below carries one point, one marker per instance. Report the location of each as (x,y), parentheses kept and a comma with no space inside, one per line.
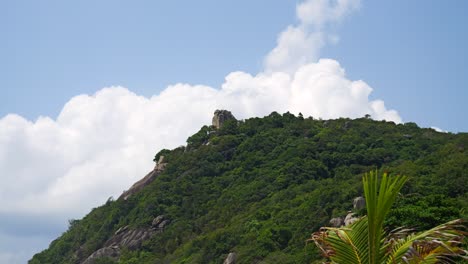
(337,222)
(350,218)
(221,116)
(359,203)
(231,258)
(127,238)
(160,222)
(107,252)
(149,178)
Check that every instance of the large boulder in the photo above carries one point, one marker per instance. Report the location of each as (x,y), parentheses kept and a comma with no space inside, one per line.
(336,222)
(160,222)
(157,220)
(221,116)
(350,219)
(359,203)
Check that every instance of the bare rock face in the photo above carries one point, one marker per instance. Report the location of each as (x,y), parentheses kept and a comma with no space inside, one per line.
(157,220)
(161,164)
(149,178)
(109,252)
(350,219)
(359,203)
(231,258)
(221,116)
(125,237)
(336,222)
(160,222)
(130,238)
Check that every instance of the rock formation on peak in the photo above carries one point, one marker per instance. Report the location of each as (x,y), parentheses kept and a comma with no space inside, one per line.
(221,116)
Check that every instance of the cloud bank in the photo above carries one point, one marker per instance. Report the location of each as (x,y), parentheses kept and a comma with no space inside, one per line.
(100,144)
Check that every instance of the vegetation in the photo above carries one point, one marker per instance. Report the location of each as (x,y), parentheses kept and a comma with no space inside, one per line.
(258,187)
(366,241)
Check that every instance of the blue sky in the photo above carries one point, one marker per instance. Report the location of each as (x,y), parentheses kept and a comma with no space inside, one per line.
(91,90)
(413,53)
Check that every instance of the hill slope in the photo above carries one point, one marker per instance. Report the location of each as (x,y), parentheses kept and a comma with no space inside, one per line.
(259,187)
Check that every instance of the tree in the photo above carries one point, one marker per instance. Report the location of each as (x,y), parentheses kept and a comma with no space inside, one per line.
(365,241)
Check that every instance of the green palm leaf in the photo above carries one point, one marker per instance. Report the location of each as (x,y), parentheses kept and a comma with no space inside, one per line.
(379,202)
(366,242)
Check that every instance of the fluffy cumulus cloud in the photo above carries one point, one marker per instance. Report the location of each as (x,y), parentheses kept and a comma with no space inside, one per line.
(301,44)
(57,169)
(99,144)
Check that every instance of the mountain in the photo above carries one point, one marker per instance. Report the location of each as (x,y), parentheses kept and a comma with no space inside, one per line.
(253,191)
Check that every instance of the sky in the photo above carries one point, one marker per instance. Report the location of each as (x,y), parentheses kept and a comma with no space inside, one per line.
(91,90)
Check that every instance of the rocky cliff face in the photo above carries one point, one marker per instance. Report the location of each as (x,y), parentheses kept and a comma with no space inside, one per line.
(127,238)
(221,116)
(139,185)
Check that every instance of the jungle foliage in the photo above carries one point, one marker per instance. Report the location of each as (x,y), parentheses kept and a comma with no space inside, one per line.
(261,186)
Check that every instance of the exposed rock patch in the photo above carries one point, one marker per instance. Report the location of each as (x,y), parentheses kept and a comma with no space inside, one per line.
(160,222)
(359,203)
(149,178)
(221,116)
(336,222)
(109,252)
(125,237)
(130,238)
(350,219)
(231,258)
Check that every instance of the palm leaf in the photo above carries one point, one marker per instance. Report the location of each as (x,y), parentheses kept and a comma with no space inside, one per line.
(431,246)
(345,244)
(378,203)
(365,241)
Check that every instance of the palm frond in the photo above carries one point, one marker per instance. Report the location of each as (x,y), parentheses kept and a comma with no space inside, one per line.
(365,241)
(379,202)
(435,245)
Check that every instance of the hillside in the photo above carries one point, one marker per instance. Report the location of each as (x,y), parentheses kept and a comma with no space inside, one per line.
(260,187)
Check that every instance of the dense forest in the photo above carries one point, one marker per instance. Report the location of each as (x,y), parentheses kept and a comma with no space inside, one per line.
(259,187)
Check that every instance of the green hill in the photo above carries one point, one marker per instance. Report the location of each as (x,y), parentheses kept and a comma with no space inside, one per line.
(261,186)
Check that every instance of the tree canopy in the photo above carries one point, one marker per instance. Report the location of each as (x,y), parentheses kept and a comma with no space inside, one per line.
(260,186)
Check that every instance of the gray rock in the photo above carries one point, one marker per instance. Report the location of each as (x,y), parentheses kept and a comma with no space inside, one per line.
(125,238)
(231,258)
(221,116)
(160,164)
(158,220)
(120,230)
(350,219)
(337,222)
(139,185)
(112,252)
(359,203)
(163,224)
(131,239)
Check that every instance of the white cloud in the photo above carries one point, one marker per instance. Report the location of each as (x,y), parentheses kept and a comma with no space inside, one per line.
(320,12)
(102,143)
(439,129)
(301,44)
